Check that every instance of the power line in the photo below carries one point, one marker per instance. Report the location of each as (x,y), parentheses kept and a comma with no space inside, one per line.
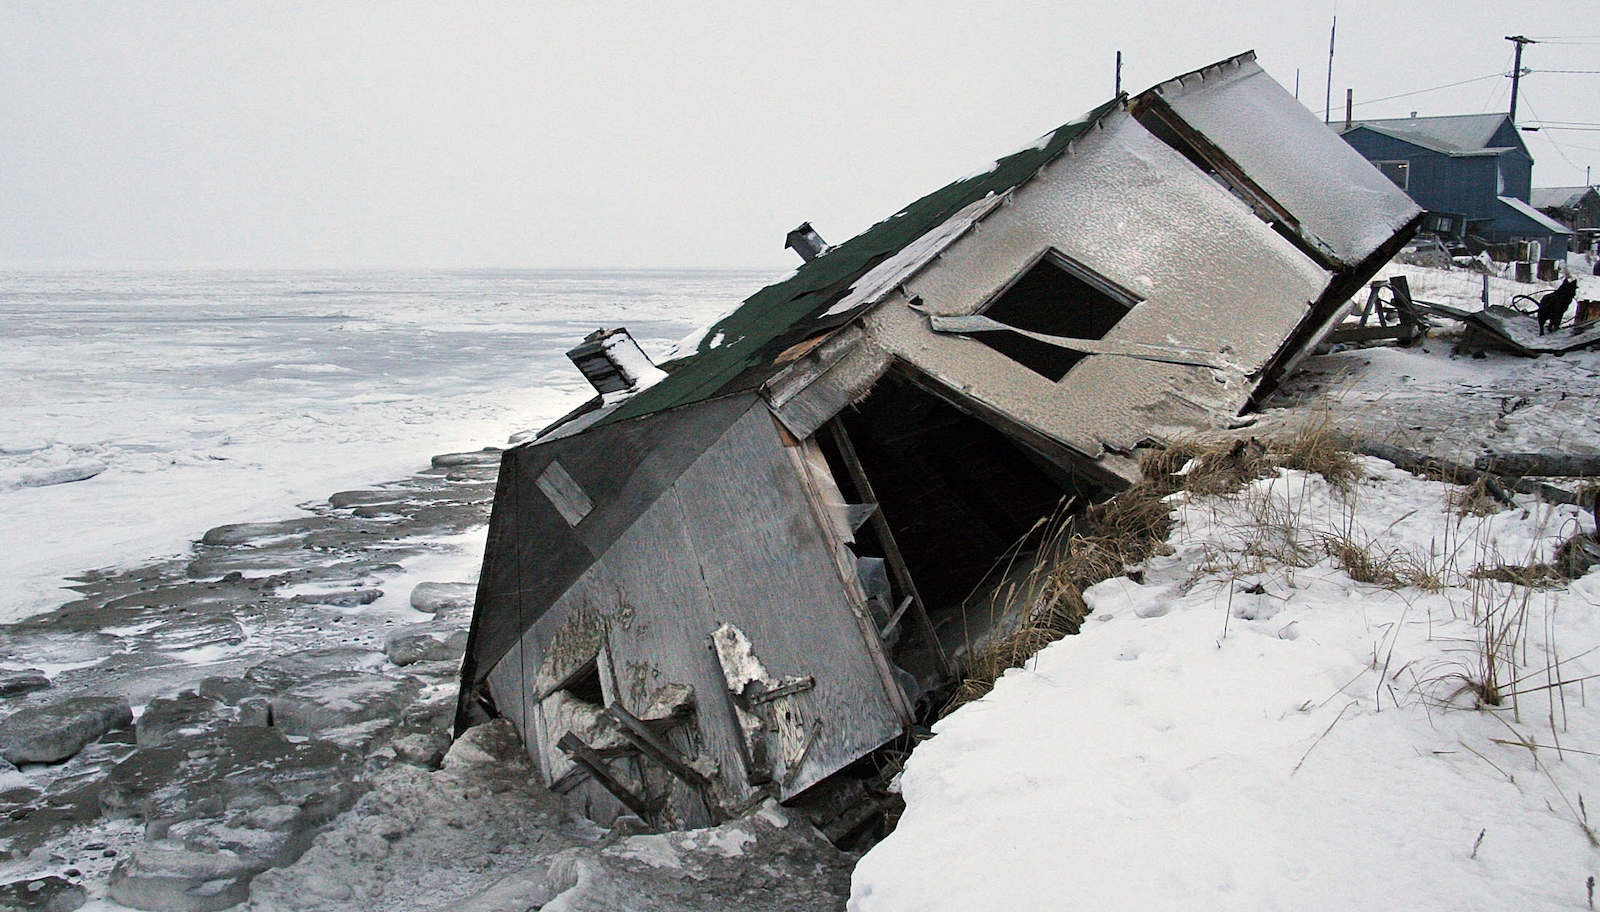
(1571,145)
(1434,89)
(1578,72)
(1560,151)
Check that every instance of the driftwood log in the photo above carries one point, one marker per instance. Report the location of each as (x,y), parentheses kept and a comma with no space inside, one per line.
(1497,487)
(1560,464)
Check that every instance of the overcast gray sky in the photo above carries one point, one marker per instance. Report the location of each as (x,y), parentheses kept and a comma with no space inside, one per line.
(641,134)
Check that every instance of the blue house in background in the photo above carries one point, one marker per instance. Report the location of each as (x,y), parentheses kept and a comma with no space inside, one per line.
(1471,172)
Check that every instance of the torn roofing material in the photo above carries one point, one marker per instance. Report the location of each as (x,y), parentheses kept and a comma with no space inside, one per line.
(779,316)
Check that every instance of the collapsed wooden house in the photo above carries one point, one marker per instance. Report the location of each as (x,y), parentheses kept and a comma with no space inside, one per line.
(738,574)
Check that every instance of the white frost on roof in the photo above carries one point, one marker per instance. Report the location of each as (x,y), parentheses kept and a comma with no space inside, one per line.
(689,345)
(1451,133)
(985,170)
(894,271)
(626,354)
(1544,221)
(1557,197)
(1339,197)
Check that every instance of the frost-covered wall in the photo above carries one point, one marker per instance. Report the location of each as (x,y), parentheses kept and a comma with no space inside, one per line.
(1346,206)
(1213,277)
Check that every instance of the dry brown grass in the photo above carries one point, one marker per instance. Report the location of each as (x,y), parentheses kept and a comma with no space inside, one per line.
(1473,500)
(1573,558)
(1392,569)
(1108,538)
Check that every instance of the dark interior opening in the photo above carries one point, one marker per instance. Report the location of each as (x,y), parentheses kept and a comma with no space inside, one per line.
(585,684)
(961,501)
(1058,298)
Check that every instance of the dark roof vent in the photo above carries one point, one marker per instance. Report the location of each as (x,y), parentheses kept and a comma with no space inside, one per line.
(613,363)
(807,242)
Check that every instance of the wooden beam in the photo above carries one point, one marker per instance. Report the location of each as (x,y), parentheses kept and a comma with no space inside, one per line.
(1357,335)
(891,549)
(584,755)
(640,736)
(845,564)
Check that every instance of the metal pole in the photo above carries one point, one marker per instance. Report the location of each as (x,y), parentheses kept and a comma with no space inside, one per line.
(1516,71)
(1327,101)
(1349,106)
(1119,74)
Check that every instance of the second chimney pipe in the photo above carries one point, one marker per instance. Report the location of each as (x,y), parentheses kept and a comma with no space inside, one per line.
(1349,104)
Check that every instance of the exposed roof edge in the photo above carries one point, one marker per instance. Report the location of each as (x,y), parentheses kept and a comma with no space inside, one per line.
(1178,84)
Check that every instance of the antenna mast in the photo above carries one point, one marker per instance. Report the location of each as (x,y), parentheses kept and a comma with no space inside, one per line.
(1327,101)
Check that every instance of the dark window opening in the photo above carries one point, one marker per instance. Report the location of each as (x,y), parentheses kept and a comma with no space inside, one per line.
(1397,171)
(964,504)
(1055,297)
(585,684)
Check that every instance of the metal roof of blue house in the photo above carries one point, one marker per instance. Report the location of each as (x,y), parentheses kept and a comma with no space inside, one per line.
(1456,134)
(739,352)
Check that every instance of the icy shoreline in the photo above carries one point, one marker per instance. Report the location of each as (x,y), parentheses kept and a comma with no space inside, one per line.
(194,399)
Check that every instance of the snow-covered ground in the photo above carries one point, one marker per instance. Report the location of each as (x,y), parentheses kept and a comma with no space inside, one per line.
(1250,728)
(200,398)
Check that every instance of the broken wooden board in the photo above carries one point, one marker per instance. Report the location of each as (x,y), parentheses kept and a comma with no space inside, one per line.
(1518,332)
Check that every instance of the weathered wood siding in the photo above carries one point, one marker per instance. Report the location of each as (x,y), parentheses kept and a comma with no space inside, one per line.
(733,539)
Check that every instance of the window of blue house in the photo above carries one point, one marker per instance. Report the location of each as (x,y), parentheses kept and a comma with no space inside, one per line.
(1397,171)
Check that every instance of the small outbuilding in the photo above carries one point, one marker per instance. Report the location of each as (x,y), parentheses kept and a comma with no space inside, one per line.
(734,575)
(1577,208)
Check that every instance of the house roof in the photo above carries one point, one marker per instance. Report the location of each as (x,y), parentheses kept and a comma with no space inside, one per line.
(741,350)
(1558,197)
(1533,215)
(1456,134)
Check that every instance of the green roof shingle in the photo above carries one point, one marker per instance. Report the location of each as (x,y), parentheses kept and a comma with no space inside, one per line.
(781,315)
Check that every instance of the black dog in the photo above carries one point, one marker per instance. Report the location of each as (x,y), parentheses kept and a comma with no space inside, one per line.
(1553,306)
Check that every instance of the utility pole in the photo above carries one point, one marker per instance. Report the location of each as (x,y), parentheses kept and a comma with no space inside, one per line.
(1516,71)
(1327,101)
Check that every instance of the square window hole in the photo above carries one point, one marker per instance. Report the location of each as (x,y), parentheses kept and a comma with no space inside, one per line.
(1056,297)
